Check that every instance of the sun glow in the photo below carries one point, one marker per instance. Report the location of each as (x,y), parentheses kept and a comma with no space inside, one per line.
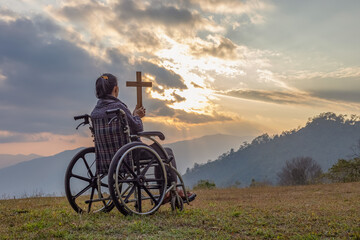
(199,92)
(197,100)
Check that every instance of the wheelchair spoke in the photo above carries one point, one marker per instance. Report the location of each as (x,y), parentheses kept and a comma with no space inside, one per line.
(147,167)
(81,178)
(139,199)
(104,185)
(82,191)
(87,166)
(127,189)
(91,198)
(138,167)
(151,195)
(130,170)
(129,194)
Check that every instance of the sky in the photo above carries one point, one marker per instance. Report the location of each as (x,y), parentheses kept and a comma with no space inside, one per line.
(234,67)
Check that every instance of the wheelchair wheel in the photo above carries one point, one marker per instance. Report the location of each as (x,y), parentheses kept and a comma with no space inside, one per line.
(86,191)
(136,187)
(176,202)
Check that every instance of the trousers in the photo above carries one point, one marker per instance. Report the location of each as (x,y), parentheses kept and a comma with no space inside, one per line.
(170,174)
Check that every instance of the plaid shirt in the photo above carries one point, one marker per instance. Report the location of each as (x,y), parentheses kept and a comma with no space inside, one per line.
(108,139)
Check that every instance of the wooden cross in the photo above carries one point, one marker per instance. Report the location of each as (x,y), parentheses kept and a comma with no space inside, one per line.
(139,85)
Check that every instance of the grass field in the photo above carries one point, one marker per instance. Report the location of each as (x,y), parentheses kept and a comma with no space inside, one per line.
(306,212)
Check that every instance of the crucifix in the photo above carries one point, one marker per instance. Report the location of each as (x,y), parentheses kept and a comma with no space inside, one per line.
(139,85)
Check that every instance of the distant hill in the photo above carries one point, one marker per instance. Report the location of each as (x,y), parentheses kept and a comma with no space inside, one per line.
(325,138)
(201,150)
(7,160)
(46,174)
(43,175)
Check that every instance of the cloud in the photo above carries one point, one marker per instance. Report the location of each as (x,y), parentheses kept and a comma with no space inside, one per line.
(341,84)
(175,131)
(133,26)
(324,100)
(44,143)
(338,95)
(168,17)
(196,85)
(7,15)
(194,118)
(159,108)
(235,7)
(144,40)
(2,77)
(155,13)
(338,73)
(18,137)
(163,77)
(9,137)
(82,12)
(219,47)
(280,97)
(45,79)
(178,98)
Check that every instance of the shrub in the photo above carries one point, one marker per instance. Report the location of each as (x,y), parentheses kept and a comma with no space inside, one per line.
(205,184)
(345,171)
(299,171)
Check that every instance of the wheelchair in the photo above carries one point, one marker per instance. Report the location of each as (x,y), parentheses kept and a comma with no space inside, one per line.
(136,182)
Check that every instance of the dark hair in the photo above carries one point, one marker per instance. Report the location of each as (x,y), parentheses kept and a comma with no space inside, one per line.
(105,84)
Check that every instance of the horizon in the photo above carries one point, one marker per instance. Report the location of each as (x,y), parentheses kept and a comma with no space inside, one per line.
(233,67)
(299,127)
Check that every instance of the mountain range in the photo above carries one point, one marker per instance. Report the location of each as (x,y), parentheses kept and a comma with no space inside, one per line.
(204,149)
(45,175)
(40,176)
(7,160)
(325,138)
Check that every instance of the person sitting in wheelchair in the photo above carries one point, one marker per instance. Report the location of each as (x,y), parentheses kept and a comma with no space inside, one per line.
(107,92)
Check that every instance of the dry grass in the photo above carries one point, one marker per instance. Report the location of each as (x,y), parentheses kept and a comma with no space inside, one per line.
(306,212)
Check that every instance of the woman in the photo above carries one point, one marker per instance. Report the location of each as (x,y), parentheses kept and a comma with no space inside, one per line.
(107,91)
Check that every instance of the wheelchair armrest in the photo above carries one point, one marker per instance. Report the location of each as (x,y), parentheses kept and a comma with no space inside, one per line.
(152,133)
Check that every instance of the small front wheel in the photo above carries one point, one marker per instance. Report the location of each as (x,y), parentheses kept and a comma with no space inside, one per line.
(177,202)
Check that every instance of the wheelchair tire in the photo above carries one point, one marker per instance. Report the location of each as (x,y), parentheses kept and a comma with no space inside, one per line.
(136,189)
(177,203)
(82,184)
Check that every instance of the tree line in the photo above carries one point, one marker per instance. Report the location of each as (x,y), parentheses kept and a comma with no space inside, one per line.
(305,170)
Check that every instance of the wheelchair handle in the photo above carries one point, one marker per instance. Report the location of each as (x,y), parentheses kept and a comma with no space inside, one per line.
(85,117)
(86,120)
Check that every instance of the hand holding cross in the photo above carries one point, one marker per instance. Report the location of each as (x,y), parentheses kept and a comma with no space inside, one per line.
(139,85)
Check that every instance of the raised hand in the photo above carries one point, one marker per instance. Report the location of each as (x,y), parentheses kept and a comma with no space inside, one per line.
(139,111)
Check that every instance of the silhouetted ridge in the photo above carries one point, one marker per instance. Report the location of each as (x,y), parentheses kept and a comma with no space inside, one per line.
(325,138)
